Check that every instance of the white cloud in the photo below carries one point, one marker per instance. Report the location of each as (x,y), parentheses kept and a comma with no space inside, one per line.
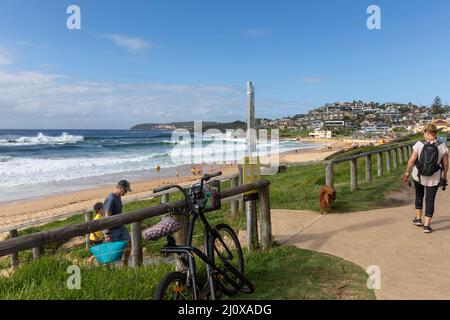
(255,32)
(5,58)
(40,100)
(133,44)
(33,99)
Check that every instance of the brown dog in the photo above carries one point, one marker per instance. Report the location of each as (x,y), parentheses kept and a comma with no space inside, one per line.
(327,197)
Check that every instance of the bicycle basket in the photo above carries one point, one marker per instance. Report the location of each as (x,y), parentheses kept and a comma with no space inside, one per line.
(109,252)
(164,228)
(211,191)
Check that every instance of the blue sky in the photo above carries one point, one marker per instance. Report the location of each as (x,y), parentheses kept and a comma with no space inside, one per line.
(158,61)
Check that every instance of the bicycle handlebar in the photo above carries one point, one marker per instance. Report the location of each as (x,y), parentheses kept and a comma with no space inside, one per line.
(161,189)
(209,176)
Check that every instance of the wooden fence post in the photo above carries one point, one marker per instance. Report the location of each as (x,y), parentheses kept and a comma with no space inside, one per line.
(395,158)
(380,164)
(87,218)
(165,200)
(265,221)
(180,236)
(37,252)
(234,203)
(354,174)
(252,225)
(329,174)
(136,245)
(15,255)
(180,239)
(400,155)
(406,154)
(388,160)
(369,168)
(241,182)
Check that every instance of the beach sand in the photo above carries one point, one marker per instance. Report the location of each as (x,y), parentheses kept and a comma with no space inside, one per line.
(13,214)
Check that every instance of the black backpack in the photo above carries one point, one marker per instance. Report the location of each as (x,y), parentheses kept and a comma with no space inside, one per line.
(427,164)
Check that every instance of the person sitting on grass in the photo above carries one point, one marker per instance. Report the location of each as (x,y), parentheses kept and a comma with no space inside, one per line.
(112,207)
(96,238)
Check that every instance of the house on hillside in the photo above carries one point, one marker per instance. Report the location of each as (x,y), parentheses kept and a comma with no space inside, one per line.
(442,124)
(320,134)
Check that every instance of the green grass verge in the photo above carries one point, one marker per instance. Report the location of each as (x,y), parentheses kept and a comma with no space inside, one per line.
(281,273)
(298,188)
(289,273)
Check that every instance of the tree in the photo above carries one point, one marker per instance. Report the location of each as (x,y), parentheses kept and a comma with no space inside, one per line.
(437,103)
(436,107)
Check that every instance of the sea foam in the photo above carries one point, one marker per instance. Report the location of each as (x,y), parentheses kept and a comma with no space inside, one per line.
(41,139)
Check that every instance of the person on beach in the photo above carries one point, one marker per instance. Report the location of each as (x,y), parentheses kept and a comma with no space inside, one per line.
(113,206)
(429,164)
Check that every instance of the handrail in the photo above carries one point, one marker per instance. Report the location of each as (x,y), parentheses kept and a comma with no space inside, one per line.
(368,153)
(80,212)
(40,239)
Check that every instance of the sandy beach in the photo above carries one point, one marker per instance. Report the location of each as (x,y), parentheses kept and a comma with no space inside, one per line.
(27,211)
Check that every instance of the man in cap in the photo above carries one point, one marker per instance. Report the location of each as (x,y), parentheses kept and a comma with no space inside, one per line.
(113,206)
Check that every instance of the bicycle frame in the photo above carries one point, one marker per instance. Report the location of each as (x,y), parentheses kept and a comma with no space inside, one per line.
(191,252)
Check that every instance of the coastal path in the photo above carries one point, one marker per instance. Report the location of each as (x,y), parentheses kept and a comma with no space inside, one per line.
(413,265)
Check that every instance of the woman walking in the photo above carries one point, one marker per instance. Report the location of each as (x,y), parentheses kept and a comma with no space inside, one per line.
(429,164)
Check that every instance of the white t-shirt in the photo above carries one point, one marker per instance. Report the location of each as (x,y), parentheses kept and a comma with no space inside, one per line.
(433,180)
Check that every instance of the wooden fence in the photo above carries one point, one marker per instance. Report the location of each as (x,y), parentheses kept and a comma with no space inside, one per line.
(38,240)
(389,158)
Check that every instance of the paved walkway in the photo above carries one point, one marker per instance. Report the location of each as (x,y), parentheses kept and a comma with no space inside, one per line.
(413,265)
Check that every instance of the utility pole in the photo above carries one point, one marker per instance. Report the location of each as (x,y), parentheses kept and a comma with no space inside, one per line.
(250,205)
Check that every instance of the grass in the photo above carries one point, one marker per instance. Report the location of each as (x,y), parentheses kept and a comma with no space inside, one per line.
(46,279)
(299,274)
(289,273)
(281,273)
(298,188)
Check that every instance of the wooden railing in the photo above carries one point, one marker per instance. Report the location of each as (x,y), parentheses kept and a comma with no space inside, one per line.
(38,240)
(388,158)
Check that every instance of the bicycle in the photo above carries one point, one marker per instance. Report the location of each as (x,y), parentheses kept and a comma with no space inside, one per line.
(224,263)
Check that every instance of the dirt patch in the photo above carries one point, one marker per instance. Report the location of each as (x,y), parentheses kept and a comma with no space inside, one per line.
(400,198)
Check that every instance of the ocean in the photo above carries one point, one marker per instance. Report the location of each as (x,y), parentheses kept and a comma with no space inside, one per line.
(36,163)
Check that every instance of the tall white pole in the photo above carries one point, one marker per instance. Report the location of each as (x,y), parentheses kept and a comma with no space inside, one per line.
(252,225)
(251,122)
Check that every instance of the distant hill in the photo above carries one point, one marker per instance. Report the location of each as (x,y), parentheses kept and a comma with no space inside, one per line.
(189,125)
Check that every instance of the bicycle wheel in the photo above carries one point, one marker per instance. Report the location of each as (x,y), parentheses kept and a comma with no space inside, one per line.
(232,254)
(173,287)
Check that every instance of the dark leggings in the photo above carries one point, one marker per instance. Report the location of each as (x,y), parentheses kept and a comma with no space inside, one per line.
(430,196)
